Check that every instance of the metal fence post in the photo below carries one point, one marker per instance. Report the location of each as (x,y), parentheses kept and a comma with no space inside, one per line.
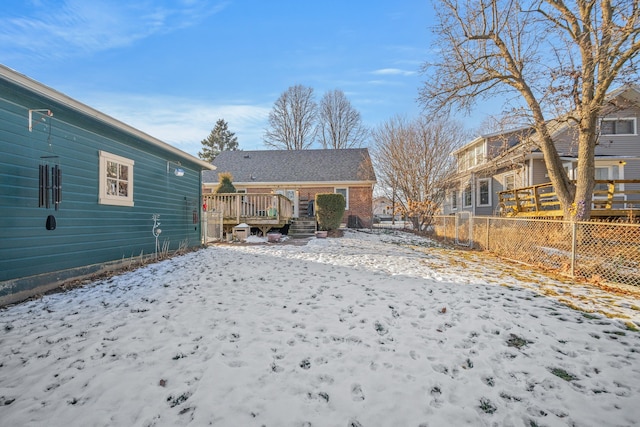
(573,248)
(487,236)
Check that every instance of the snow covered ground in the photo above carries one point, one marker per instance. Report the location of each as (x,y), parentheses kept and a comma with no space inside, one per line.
(365,330)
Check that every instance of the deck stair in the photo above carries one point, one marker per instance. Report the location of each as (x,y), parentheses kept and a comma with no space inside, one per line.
(301,228)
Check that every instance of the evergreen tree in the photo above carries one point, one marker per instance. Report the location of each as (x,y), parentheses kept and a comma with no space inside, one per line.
(220,139)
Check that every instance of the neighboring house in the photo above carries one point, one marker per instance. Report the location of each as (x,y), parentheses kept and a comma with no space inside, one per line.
(300,175)
(503,161)
(382,206)
(78,190)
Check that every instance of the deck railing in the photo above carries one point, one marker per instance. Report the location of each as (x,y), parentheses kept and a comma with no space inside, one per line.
(250,208)
(610,198)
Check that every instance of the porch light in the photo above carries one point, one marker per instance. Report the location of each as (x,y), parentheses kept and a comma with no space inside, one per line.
(177,171)
(622,162)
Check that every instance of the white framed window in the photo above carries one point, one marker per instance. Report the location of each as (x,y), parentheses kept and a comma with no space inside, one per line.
(345,193)
(509,182)
(460,159)
(471,157)
(454,200)
(608,171)
(466,196)
(484,192)
(116,180)
(618,126)
(479,154)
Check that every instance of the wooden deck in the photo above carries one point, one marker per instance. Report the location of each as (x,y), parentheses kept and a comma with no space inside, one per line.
(542,201)
(263,211)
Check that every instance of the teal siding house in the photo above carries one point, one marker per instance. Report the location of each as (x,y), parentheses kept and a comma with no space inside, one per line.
(79,190)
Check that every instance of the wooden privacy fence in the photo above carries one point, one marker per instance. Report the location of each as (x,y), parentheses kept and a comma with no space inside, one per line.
(599,251)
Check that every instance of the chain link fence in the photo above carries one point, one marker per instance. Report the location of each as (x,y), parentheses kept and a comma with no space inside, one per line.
(214,227)
(597,251)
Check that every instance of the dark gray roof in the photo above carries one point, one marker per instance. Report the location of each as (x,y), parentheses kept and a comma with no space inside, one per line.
(288,166)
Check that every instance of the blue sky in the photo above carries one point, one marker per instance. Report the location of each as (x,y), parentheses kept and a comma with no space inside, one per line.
(172,68)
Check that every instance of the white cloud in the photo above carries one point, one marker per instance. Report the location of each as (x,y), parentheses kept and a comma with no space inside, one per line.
(183,122)
(77,26)
(393,72)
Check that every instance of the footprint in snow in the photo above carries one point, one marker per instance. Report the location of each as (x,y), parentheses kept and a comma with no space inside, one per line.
(356,392)
(305,364)
(380,328)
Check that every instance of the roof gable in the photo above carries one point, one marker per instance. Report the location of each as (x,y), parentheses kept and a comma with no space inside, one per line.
(289,166)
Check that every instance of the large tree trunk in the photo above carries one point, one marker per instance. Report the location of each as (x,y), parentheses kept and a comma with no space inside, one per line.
(564,188)
(581,208)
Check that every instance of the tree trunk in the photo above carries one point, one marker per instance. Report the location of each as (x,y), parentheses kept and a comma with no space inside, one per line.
(586,171)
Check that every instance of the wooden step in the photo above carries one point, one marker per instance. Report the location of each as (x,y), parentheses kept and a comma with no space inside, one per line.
(302,227)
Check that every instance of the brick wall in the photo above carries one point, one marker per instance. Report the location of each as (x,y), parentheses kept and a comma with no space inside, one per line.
(360,205)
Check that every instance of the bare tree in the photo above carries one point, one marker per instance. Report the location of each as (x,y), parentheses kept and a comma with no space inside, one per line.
(413,159)
(339,124)
(555,58)
(292,120)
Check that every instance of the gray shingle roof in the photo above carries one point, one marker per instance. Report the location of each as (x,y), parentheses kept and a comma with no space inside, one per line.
(288,166)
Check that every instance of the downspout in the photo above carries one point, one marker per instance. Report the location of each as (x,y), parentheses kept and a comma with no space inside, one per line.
(473,193)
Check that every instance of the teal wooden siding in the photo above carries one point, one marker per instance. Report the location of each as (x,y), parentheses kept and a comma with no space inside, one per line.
(87,232)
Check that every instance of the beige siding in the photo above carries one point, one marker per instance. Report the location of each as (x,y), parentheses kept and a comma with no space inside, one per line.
(626,145)
(539,174)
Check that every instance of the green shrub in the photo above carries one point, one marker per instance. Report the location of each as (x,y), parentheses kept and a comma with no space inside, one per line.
(329,210)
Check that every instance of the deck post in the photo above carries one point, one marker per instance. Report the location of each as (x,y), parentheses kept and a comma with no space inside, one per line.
(279,212)
(611,188)
(237,208)
(536,198)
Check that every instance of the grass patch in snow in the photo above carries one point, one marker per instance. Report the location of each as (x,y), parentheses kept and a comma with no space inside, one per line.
(561,373)
(178,400)
(487,406)
(517,342)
